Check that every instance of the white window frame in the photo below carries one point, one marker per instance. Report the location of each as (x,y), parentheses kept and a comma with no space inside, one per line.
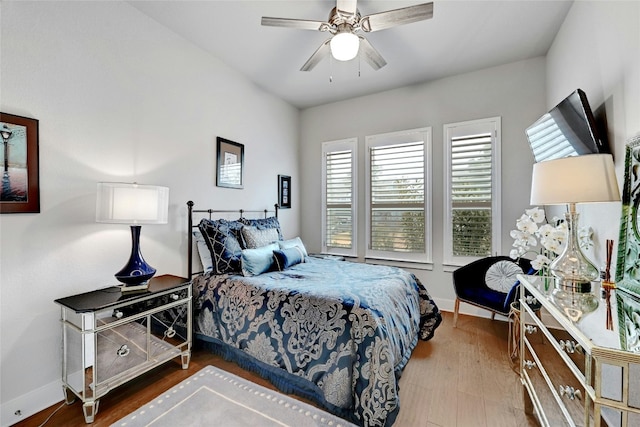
(452,130)
(424,134)
(328,147)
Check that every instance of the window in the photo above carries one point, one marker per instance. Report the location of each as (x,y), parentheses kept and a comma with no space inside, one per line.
(472,193)
(339,213)
(398,196)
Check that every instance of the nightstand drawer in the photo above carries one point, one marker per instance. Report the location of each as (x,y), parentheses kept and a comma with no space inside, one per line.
(142,305)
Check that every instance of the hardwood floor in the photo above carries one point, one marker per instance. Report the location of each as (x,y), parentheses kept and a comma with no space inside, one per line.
(462,377)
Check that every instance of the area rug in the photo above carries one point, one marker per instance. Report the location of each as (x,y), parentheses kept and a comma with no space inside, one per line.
(213,397)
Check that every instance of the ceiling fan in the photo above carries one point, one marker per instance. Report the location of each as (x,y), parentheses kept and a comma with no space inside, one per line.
(344,22)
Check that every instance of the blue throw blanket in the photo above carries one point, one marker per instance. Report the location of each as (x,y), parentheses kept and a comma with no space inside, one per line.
(337,332)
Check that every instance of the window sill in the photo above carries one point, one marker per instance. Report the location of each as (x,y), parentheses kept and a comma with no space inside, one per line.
(402,264)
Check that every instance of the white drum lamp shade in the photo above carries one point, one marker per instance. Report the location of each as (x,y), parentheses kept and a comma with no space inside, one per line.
(133,204)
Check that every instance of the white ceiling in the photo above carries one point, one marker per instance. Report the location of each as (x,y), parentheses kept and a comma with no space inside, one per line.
(462,36)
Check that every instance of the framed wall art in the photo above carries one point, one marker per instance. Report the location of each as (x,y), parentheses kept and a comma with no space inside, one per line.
(19,156)
(230,165)
(628,260)
(284,191)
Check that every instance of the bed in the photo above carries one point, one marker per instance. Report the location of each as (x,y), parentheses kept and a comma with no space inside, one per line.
(338,333)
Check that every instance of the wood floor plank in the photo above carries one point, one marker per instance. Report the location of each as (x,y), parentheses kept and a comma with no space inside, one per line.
(471,411)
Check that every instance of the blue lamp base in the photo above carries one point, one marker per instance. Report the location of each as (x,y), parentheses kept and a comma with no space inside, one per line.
(136,272)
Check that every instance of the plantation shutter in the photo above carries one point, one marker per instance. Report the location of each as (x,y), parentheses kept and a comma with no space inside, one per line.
(397,197)
(471,194)
(339,199)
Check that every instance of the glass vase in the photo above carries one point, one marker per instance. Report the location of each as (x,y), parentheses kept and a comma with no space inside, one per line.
(574,273)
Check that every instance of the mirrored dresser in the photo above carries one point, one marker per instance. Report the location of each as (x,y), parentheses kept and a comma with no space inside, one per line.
(110,337)
(574,372)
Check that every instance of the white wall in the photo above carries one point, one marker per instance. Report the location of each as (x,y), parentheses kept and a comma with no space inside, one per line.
(598,50)
(516,92)
(119,98)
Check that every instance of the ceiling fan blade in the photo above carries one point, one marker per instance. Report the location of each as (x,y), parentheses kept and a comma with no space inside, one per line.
(371,55)
(318,55)
(301,24)
(392,18)
(347,6)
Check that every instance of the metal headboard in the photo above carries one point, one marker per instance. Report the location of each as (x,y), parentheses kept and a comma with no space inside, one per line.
(209,213)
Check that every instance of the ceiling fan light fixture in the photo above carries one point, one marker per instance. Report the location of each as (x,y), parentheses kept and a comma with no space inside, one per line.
(344,46)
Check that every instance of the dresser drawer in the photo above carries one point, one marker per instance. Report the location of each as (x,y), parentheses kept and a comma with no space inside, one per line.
(560,393)
(573,354)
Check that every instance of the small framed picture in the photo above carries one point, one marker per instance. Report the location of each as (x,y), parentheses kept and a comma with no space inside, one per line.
(284,191)
(19,154)
(230,164)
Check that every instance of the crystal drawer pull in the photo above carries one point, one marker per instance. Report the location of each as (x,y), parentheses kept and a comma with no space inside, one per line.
(570,346)
(175,297)
(170,333)
(118,314)
(530,300)
(123,351)
(530,329)
(570,392)
(529,364)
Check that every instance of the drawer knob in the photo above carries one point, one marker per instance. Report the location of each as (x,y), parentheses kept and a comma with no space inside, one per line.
(529,364)
(570,392)
(570,346)
(530,329)
(118,314)
(170,333)
(175,297)
(123,351)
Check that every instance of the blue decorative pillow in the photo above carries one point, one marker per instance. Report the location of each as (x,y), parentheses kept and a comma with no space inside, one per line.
(221,237)
(257,261)
(264,223)
(289,257)
(293,243)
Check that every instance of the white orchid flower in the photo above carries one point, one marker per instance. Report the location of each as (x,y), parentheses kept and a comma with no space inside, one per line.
(526,224)
(536,214)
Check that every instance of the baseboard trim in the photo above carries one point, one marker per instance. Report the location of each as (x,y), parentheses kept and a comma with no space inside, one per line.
(22,407)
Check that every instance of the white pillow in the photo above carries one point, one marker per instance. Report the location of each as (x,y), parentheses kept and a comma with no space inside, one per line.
(296,242)
(501,276)
(203,251)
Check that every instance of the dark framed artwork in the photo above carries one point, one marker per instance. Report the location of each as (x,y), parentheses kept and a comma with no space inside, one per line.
(284,191)
(19,154)
(230,166)
(628,261)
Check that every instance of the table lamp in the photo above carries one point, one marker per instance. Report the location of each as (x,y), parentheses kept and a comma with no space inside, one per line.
(133,204)
(570,180)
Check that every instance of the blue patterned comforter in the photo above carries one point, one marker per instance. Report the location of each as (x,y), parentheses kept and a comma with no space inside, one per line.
(342,331)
